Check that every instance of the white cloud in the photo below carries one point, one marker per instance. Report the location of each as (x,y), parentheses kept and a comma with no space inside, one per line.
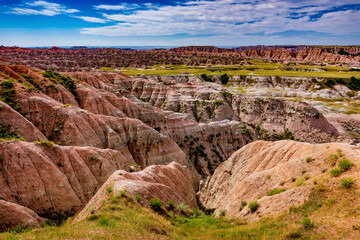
(92,19)
(229,17)
(43,8)
(116,7)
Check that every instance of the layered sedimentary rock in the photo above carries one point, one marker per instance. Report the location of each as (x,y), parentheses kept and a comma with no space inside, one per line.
(48,178)
(254,170)
(91,59)
(170,182)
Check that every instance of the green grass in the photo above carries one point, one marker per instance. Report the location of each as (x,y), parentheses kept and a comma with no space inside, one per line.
(122,217)
(259,68)
(6,133)
(275,191)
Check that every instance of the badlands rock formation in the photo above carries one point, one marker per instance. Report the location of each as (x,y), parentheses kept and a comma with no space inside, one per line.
(259,167)
(64,135)
(171,182)
(92,59)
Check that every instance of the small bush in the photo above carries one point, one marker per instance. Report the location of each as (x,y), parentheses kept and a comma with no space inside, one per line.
(91,209)
(345,164)
(171,204)
(224,79)
(332,159)
(268,177)
(197,213)
(183,208)
(275,191)
(222,213)
(93,158)
(335,172)
(299,182)
(340,152)
(109,190)
(123,193)
(308,159)
(155,204)
(253,206)
(306,177)
(347,182)
(242,205)
(307,223)
(138,198)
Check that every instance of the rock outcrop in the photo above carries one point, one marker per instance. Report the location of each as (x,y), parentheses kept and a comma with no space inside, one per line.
(259,167)
(171,182)
(12,215)
(51,179)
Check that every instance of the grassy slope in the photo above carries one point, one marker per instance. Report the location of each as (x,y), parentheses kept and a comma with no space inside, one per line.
(259,68)
(333,210)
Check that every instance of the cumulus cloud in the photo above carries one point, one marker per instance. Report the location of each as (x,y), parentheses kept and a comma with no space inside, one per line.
(43,8)
(237,17)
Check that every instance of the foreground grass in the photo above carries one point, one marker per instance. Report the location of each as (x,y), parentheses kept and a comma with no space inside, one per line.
(123,218)
(258,68)
(330,213)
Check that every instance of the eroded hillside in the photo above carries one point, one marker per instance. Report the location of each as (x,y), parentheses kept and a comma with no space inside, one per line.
(63,135)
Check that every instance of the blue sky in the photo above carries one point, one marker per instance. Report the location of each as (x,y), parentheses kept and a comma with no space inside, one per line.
(178,23)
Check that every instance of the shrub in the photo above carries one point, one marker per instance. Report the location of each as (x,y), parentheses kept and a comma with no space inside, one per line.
(7,93)
(122,193)
(92,158)
(335,172)
(222,213)
(155,204)
(253,206)
(275,191)
(307,223)
(323,169)
(197,213)
(268,177)
(138,198)
(308,159)
(135,165)
(299,182)
(218,102)
(332,159)
(56,77)
(224,79)
(345,164)
(242,205)
(109,190)
(347,182)
(171,204)
(91,209)
(306,177)
(340,152)
(183,208)
(206,78)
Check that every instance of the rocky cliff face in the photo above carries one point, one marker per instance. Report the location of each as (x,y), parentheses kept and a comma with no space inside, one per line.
(256,169)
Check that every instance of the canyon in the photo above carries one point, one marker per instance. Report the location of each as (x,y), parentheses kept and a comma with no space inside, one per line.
(73,141)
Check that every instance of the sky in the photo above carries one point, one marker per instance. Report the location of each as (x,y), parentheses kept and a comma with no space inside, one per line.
(34,23)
